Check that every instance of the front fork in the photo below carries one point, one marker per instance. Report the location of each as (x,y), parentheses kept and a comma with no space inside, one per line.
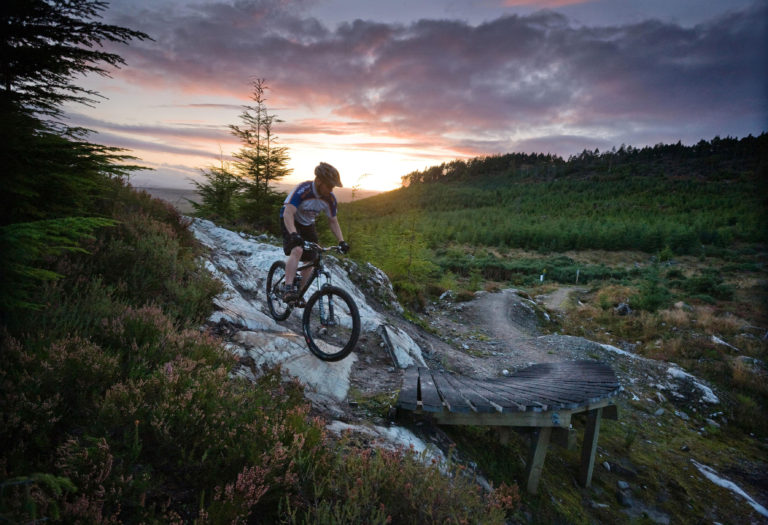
(326,318)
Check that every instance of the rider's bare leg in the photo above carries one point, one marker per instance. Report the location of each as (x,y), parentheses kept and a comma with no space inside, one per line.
(305,275)
(292,263)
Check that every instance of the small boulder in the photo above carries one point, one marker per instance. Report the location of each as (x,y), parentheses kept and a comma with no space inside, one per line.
(622,309)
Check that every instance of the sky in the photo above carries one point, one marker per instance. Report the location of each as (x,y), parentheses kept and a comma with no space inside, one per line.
(382,88)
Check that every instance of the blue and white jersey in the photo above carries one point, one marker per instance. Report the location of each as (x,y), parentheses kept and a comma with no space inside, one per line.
(309,203)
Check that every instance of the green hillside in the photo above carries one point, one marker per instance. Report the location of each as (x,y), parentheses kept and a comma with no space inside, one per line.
(675,235)
(464,219)
(683,198)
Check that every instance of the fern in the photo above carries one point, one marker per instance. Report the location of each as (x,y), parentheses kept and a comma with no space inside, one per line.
(25,247)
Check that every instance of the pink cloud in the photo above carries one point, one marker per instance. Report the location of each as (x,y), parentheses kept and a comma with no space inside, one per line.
(435,81)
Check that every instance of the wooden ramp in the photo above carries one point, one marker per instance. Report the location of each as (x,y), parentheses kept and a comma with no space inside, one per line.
(544,397)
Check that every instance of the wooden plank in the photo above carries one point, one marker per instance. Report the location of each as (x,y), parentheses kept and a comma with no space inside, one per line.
(429,396)
(519,402)
(567,376)
(451,396)
(475,401)
(581,370)
(557,390)
(589,447)
(487,397)
(501,403)
(569,381)
(542,394)
(536,456)
(408,396)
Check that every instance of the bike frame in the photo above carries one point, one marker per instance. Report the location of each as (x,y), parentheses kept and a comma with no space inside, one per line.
(320,321)
(318,269)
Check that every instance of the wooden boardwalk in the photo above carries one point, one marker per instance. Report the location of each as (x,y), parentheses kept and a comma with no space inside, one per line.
(544,396)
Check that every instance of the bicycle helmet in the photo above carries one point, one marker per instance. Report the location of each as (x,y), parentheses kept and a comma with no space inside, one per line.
(328,174)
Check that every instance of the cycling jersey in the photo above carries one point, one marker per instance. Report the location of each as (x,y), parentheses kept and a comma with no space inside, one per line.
(309,203)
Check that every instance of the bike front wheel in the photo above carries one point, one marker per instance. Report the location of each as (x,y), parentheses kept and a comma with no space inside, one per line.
(331,324)
(278,309)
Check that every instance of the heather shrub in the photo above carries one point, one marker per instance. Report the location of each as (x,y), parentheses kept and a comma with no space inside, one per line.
(396,486)
(32,499)
(138,263)
(72,306)
(146,338)
(104,490)
(127,200)
(144,258)
(237,501)
(51,392)
(198,426)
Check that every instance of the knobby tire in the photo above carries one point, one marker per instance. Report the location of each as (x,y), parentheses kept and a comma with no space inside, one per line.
(327,342)
(278,309)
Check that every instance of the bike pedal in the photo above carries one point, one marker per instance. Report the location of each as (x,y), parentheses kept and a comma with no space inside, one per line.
(301,303)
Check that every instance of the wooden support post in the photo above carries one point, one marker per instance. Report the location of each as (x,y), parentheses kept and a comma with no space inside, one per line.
(539,444)
(589,447)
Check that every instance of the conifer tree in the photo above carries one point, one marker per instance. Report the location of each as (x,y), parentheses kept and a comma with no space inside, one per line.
(47,43)
(260,161)
(219,195)
(53,181)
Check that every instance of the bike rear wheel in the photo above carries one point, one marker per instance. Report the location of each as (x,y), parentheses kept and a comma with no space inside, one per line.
(278,309)
(331,324)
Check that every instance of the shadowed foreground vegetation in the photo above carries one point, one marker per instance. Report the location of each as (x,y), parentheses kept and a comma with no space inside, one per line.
(118,408)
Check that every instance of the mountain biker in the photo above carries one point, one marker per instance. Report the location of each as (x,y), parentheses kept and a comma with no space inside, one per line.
(297,218)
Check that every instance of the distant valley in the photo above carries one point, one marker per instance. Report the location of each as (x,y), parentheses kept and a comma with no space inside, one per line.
(180,197)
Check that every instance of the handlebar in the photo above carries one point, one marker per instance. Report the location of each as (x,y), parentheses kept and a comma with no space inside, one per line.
(308,245)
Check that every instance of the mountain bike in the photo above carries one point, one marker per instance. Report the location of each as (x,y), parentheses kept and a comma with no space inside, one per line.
(331,320)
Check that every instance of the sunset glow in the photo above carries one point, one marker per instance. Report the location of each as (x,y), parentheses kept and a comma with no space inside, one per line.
(380,94)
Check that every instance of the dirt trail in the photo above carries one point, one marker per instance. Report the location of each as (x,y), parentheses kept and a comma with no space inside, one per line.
(501,331)
(558,299)
(507,317)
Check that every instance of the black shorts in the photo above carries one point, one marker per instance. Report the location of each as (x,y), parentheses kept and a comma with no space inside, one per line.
(308,233)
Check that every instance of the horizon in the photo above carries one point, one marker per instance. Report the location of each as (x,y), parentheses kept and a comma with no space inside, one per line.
(380,93)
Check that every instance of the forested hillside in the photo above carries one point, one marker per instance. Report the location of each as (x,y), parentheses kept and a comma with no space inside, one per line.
(667,196)
(664,247)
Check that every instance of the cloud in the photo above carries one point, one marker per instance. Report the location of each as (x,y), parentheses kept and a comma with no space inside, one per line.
(198,131)
(148,144)
(511,81)
(543,3)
